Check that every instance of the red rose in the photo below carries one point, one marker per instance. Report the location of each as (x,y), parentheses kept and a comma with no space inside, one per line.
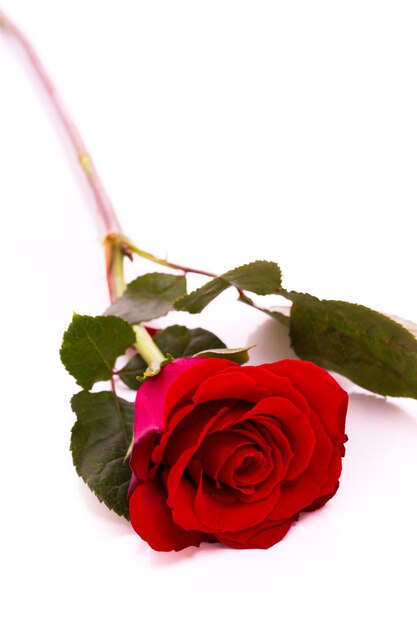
(233,453)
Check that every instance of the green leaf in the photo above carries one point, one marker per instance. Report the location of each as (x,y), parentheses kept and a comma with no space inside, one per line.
(100,439)
(260,277)
(175,340)
(181,341)
(238,355)
(410,326)
(369,348)
(197,300)
(91,345)
(133,369)
(148,297)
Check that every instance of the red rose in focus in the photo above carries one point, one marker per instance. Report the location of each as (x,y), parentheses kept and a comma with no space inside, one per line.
(232,453)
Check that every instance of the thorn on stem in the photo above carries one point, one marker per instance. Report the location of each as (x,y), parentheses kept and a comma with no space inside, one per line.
(126,250)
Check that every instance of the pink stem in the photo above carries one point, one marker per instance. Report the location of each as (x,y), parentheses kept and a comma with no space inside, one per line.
(191,270)
(104,207)
(110,223)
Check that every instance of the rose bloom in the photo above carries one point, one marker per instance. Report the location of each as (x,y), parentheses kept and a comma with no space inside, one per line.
(232,453)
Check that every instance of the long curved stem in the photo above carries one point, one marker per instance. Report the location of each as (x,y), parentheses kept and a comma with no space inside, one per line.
(116,245)
(109,221)
(105,209)
(115,249)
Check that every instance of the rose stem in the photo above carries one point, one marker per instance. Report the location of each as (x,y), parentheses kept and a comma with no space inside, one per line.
(164,262)
(115,249)
(116,246)
(107,218)
(145,345)
(109,221)
(103,204)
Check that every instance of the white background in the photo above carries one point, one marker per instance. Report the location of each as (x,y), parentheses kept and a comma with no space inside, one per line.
(225,131)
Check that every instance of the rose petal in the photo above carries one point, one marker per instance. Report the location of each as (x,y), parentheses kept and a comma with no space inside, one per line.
(331,484)
(152,519)
(264,536)
(221,516)
(279,446)
(141,455)
(296,427)
(219,447)
(194,439)
(297,494)
(186,432)
(274,385)
(180,414)
(245,467)
(150,398)
(182,505)
(277,458)
(185,384)
(234,383)
(149,405)
(321,391)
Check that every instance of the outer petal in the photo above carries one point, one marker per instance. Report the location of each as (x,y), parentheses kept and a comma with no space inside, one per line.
(150,399)
(141,456)
(331,485)
(263,536)
(149,410)
(184,386)
(186,453)
(182,504)
(321,391)
(234,383)
(152,519)
(298,494)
